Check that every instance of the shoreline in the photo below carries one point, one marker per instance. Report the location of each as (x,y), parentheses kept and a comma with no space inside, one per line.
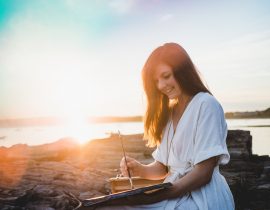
(79,144)
(58,121)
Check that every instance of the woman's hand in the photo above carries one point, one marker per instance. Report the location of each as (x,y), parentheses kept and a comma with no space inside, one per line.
(133,165)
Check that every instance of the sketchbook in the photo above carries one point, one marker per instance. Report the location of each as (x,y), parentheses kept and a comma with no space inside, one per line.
(96,201)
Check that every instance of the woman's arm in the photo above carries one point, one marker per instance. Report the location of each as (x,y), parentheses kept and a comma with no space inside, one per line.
(198,177)
(153,171)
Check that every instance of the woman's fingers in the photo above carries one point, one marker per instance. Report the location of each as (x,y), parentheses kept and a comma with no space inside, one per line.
(123,167)
(129,163)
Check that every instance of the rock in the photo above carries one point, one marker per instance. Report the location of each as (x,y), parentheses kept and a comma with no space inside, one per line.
(54,176)
(264,187)
(89,194)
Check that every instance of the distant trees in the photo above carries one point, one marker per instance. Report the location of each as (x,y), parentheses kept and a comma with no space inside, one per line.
(255,114)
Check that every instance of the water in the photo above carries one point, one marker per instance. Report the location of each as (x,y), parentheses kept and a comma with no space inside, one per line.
(260,131)
(35,135)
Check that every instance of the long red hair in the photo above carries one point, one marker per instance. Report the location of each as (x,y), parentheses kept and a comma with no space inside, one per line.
(158,108)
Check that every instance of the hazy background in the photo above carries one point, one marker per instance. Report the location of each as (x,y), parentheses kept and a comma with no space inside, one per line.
(84,58)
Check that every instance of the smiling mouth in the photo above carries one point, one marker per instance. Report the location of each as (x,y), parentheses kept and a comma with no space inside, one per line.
(168,90)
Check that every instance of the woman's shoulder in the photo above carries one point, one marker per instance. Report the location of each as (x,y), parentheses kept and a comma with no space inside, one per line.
(206,99)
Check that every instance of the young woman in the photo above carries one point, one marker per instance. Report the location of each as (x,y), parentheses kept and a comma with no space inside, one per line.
(187,125)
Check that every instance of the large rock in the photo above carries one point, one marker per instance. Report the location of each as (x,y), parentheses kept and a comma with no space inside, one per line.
(247,174)
(53,176)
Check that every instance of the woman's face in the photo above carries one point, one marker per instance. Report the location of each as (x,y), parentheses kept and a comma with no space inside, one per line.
(165,81)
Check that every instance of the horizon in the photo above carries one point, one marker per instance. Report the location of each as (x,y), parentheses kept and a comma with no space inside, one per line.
(111,116)
(81,59)
(101,117)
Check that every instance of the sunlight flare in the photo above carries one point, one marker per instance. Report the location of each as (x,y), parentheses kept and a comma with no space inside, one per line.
(77,127)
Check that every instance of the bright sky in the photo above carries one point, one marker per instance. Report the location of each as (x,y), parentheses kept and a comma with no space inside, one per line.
(79,57)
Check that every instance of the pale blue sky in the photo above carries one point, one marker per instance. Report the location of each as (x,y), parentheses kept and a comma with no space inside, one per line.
(78,57)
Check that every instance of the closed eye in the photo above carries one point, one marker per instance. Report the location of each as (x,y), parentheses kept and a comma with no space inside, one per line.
(166,76)
(163,76)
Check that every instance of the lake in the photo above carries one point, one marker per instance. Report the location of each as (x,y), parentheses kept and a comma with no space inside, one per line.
(35,135)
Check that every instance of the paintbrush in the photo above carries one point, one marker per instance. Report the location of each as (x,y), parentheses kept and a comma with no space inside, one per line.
(129,176)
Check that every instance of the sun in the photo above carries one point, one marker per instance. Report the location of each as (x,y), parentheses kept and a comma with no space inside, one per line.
(78,128)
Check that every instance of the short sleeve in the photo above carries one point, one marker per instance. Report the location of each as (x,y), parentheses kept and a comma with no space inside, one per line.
(158,155)
(211,133)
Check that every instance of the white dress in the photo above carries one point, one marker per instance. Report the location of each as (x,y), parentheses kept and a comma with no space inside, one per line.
(200,134)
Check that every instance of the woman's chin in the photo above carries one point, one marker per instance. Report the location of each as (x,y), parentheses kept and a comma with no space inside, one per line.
(172,97)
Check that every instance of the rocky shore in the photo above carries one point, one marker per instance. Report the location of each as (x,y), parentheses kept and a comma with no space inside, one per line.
(45,177)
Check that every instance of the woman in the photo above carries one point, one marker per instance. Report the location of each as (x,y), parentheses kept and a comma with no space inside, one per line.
(187,125)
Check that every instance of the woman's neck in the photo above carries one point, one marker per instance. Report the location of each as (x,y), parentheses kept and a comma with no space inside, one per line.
(179,109)
(182,103)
